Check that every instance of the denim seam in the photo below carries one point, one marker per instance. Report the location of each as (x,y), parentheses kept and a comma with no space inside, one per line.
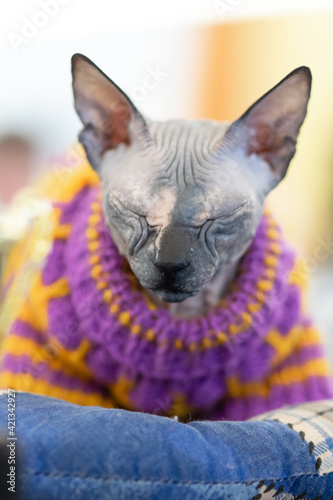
(163,481)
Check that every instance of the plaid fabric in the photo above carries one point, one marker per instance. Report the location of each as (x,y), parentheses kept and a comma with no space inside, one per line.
(313,422)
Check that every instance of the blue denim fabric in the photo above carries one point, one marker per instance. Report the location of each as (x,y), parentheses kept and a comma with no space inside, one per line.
(74,452)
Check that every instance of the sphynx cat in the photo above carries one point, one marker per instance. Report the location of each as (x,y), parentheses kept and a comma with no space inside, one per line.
(183,198)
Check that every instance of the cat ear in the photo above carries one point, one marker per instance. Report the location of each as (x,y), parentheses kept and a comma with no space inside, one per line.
(269,128)
(108,115)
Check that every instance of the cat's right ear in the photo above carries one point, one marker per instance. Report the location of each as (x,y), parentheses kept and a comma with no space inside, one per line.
(108,115)
(270,127)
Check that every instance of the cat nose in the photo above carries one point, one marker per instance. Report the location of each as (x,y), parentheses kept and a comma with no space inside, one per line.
(170,269)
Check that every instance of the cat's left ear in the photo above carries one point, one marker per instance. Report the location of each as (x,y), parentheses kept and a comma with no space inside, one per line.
(269,128)
(108,115)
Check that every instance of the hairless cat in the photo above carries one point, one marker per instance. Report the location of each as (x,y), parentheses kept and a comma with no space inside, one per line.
(183,199)
(169,288)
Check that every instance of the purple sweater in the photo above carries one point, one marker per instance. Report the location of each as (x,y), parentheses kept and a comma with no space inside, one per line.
(88,332)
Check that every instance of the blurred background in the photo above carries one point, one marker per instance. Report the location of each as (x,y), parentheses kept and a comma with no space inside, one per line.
(181,59)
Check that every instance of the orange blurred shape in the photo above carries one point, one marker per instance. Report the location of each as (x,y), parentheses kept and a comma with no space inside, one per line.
(245,59)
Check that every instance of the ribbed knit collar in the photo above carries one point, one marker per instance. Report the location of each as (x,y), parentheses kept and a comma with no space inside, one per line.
(123,323)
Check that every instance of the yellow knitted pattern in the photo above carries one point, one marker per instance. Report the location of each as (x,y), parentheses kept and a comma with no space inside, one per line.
(30,305)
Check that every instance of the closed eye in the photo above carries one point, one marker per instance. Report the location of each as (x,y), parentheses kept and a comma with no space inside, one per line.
(231,218)
(151,228)
(123,212)
(227,227)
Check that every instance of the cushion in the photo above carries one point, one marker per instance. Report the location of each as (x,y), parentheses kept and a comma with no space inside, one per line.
(73,452)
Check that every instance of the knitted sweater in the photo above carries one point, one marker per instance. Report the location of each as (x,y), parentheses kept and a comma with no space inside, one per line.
(88,333)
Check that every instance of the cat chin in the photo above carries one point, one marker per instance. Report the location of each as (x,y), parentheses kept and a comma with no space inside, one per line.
(173,297)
